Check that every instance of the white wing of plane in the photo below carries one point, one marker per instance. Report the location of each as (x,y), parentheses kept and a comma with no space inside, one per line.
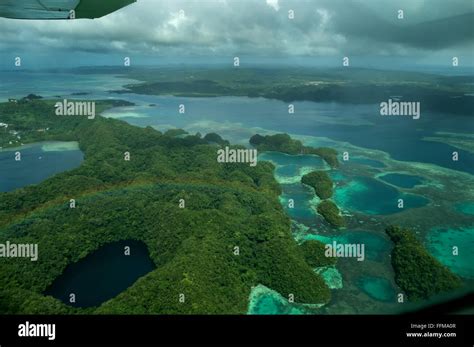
(59,9)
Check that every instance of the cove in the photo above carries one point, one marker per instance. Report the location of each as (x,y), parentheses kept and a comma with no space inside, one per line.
(103,274)
(370,196)
(265,301)
(376,246)
(290,168)
(38,162)
(377,288)
(304,200)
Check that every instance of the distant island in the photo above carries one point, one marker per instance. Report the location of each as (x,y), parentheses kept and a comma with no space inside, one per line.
(285,144)
(343,85)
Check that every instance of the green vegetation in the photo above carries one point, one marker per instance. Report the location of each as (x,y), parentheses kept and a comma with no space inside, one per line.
(314,253)
(417,272)
(33,119)
(322,184)
(285,144)
(216,138)
(226,205)
(352,86)
(175,132)
(330,212)
(320,181)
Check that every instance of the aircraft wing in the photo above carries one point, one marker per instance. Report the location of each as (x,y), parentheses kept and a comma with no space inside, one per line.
(59,9)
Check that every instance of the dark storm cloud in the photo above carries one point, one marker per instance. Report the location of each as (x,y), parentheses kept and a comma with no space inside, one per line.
(256,27)
(420,28)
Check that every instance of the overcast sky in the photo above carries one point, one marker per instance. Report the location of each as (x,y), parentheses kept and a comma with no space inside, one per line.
(432,31)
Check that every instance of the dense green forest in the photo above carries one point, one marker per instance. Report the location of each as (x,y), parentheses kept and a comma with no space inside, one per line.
(417,272)
(285,144)
(322,185)
(32,119)
(193,248)
(314,253)
(331,214)
(320,182)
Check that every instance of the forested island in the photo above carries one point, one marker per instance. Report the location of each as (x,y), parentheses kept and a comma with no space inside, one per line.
(285,144)
(331,213)
(322,185)
(320,182)
(343,85)
(417,272)
(193,245)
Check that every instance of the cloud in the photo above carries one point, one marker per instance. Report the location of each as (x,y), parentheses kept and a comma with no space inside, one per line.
(274,4)
(256,28)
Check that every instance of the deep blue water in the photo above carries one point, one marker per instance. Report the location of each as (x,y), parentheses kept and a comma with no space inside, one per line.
(36,164)
(103,274)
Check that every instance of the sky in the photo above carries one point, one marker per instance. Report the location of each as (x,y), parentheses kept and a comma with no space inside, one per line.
(165,31)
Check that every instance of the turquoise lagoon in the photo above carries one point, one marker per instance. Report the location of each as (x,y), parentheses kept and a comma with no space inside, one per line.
(378,288)
(369,196)
(440,242)
(376,246)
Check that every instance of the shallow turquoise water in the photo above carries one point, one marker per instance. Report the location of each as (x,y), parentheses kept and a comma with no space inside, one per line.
(331,276)
(290,168)
(302,197)
(377,288)
(367,161)
(268,304)
(294,160)
(370,196)
(38,162)
(465,207)
(265,301)
(337,175)
(440,242)
(402,180)
(376,247)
